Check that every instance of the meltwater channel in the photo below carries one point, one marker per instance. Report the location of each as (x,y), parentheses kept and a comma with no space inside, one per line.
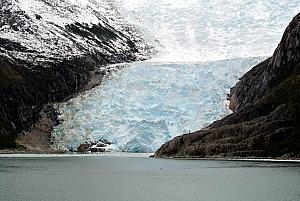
(203,47)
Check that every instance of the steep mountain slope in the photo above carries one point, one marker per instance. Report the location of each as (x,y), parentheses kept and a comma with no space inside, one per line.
(265,102)
(50,50)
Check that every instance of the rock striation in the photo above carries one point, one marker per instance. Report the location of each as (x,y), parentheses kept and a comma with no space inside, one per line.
(51,50)
(266,111)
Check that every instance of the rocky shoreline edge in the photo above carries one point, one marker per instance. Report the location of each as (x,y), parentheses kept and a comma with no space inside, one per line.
(259,159)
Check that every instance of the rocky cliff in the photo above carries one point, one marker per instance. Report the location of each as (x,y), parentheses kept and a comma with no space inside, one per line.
(50,50)
(266,111)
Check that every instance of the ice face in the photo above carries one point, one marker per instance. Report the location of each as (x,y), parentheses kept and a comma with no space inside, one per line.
(145,104)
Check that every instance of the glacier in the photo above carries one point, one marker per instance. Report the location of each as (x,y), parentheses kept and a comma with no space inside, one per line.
(145,104)
(203,47)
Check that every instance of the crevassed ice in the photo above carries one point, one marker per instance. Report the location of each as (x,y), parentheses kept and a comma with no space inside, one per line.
(145,104)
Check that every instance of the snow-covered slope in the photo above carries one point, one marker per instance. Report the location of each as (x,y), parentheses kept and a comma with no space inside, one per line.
(206,30)
(66,28)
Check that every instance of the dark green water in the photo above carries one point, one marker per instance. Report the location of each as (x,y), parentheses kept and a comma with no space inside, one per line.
(111,178)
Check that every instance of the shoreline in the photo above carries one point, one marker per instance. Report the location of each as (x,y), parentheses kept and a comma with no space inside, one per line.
(290,160)
(70,154)
(137,155)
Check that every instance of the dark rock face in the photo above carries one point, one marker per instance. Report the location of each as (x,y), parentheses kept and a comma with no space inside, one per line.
(24,90)
(42,62)
(266,106)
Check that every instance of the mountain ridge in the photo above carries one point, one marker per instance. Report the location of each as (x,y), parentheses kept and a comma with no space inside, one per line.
(51,50)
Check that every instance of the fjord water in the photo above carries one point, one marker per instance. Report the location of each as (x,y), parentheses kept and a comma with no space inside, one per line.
(137,178)
(203,47)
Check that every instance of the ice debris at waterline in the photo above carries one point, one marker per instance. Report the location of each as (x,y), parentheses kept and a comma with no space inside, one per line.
(101,145)
(146,104)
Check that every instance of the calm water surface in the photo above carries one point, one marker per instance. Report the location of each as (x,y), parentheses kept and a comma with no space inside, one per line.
(112,178)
